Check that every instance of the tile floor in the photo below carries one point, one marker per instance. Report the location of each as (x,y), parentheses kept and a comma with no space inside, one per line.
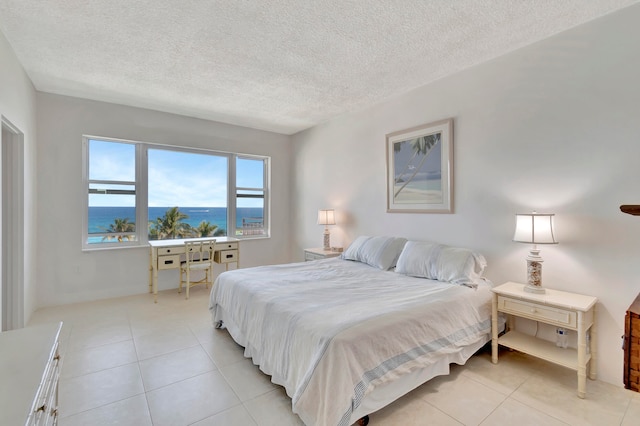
(128,361)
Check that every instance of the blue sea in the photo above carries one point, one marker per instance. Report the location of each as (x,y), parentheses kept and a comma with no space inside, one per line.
(425,184)
(101,217)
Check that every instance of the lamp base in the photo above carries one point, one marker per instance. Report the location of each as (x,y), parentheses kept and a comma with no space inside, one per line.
(534,289)
(326,240)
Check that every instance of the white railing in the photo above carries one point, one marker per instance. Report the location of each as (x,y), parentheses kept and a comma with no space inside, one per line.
(252,226)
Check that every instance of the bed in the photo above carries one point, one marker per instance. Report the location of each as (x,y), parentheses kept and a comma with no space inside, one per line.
(347,336)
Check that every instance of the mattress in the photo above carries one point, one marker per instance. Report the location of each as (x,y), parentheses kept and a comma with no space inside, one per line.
(333,331)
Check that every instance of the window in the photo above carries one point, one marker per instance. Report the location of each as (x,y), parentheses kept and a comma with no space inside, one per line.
(138,192)
(197,184)
(250,196)
(112,192)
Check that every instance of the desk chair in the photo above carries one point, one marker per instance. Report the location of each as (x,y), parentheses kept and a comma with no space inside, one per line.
(198,257)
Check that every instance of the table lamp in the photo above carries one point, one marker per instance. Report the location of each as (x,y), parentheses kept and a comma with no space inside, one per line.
(326,217)
(534,228)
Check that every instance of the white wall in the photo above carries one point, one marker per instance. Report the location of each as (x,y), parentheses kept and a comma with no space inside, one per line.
(552,127)
(65,273)
(18,106)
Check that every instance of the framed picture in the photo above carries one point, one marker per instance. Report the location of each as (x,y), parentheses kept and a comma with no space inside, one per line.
(420,169)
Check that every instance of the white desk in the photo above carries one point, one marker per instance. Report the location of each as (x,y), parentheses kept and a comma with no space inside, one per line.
(166,254)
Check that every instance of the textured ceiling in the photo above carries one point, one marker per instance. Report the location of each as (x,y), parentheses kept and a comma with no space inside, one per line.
(279,65)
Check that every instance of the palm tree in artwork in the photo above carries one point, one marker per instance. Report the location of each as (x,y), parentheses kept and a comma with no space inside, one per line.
(170,226)
(120,226)
(420,146)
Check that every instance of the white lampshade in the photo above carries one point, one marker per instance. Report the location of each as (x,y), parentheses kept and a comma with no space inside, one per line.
(534,228)
(326,217)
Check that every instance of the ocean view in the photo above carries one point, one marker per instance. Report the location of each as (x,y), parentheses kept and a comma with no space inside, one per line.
(424,184)
(101,217)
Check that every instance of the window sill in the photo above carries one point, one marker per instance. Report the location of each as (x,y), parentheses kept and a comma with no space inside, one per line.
(146,245)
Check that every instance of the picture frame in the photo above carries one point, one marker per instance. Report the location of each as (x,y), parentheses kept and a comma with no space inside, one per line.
(420,169)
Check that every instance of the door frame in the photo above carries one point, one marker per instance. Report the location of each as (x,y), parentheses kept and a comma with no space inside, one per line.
(11,226)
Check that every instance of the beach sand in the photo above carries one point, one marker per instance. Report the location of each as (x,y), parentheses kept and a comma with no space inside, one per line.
(417,196)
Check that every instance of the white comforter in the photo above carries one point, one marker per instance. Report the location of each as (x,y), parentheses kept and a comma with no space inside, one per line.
(332,330)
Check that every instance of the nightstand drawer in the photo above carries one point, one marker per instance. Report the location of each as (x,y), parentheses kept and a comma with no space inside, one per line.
(312,256)
(320,253)
(538,312)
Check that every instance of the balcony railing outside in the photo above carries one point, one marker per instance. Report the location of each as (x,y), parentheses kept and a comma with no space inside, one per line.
(252,226)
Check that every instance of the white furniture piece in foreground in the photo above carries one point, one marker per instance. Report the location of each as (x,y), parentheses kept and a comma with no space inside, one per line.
(198,258)
(29,371)
(319,253)
(166,254)
(570,311)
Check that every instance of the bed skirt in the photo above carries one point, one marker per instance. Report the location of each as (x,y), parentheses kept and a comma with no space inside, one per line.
(381,395)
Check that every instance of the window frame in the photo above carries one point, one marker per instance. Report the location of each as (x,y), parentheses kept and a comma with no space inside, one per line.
(141,185)
(266,185)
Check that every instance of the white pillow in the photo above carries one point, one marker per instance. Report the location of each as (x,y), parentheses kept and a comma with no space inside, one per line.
(351,253)
(438,262)
(381,252)
(415,259)
(459,266)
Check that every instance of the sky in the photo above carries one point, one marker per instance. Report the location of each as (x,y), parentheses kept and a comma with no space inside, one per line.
(431,169)
(175,178)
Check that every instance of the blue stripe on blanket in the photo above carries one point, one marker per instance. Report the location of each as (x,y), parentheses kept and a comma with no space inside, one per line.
(398,360)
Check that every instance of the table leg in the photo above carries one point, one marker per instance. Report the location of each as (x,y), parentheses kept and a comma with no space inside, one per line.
(154,278)
(593,347)
(582,356)
(150,270)
(494,329)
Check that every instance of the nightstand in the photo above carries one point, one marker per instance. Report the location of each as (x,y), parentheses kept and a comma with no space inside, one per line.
(559,308)
(319,253)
